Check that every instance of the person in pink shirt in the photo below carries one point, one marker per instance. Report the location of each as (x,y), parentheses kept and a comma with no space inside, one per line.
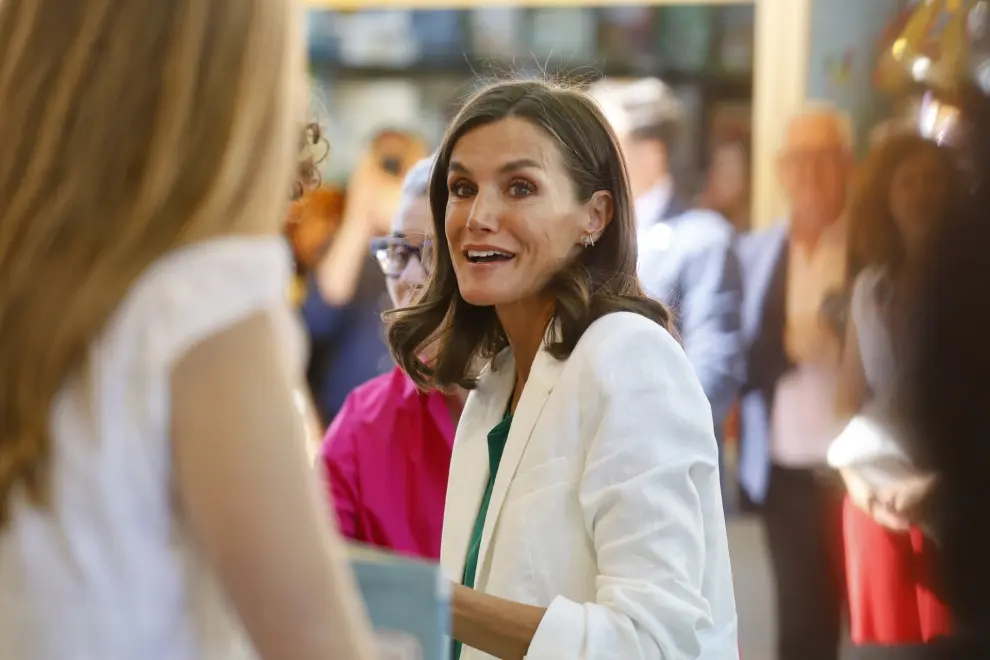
(386,455)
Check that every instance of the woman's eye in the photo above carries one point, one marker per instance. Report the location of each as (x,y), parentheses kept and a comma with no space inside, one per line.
(460,189)
(398,252)
(520,189)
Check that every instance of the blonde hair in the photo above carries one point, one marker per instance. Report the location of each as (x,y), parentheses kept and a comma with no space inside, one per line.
(127,129)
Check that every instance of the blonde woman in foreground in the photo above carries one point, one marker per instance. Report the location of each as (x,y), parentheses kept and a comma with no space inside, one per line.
(155,496)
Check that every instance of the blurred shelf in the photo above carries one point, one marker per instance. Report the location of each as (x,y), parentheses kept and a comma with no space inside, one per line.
(721,84)
(469,4)
(702,49)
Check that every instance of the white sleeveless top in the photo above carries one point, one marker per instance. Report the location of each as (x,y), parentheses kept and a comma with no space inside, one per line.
(868,442)
(867,306)
(111,572)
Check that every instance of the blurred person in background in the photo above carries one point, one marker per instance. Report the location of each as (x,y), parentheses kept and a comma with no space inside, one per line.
(686,256)
(945,388)
(583,518)
(387,453)
(787,407)
(311,218)
(346,295)
(155,500)
(890,558)
(315,212)
(728,186)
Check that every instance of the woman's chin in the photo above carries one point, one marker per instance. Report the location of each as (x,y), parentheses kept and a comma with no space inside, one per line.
(481,297)
(479,301)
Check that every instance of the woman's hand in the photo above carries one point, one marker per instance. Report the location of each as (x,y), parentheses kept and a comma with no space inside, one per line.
(496,626)
(908,499)
(858,490)
(866,499)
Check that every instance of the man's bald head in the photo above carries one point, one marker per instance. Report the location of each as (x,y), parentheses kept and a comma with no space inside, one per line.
(819,124)
(815,165)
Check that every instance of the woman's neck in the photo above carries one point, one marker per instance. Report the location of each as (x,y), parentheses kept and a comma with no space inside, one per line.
(909,276)
(525,325)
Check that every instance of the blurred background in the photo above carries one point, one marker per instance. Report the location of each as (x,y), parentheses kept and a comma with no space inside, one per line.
(740,66)
(388,76)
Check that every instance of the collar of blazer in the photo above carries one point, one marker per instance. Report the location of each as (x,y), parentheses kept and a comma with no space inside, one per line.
(469,463)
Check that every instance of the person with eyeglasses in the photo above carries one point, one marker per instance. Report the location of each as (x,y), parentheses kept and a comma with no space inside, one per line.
(344,292)
(386,455)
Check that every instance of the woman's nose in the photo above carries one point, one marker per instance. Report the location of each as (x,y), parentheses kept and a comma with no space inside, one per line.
(413,275)
(484,212)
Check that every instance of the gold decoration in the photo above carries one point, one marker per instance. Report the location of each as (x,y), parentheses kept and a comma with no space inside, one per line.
(943,48)
(930,51)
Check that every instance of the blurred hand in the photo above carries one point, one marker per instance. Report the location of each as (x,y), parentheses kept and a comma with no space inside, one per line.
(809,339)
(858,490)
(835,312)
(375,186)
(908,499)
(868,501)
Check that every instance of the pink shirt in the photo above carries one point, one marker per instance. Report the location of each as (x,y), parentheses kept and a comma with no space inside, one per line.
(386,457)
(803,421)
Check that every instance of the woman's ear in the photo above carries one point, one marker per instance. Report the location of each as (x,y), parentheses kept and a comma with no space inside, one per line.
(601,209)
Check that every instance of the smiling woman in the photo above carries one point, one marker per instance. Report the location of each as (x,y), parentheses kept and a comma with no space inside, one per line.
(567,182)
(583,515)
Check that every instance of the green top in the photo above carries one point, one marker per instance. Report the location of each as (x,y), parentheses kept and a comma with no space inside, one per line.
(497,438)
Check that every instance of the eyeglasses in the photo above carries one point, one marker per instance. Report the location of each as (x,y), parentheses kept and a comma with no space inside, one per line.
(393,254)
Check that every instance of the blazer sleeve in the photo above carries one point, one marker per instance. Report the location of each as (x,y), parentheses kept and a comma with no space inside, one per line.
(339,458)
(652,507)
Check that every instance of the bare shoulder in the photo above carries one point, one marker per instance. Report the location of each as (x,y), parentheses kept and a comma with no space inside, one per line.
(242,360)
(226,348)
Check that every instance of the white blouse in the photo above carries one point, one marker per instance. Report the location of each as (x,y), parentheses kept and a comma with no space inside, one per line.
(110,571)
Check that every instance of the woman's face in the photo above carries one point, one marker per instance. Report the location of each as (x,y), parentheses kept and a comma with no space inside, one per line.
(728,178)
(513,218)
(918,191)
(411,231)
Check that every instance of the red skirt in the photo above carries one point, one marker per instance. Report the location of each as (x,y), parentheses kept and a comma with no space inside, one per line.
(890,583)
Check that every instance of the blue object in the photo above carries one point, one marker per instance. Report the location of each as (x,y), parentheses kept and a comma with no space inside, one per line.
(408,601)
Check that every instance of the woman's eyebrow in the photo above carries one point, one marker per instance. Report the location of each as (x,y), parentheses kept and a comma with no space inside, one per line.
(511,166)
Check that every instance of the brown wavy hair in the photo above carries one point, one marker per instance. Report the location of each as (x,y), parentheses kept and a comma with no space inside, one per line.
(129,129)
(313,149)
(874,239)
(601,280)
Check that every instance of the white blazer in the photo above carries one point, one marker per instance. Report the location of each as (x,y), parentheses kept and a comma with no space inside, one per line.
(606,508)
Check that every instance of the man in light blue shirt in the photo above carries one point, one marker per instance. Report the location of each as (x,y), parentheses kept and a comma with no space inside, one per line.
(686,256)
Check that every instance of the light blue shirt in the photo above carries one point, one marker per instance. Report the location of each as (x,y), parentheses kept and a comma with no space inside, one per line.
(687,259)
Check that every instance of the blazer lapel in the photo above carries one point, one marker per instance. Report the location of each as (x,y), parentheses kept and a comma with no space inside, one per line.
(542,379)
(761,261)
(469,463)
(675,207)
(767,355)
